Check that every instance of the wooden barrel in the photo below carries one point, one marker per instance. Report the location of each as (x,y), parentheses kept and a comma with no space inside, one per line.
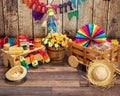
(56,54)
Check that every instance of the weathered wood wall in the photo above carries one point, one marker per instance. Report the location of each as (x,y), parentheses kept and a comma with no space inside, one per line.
(16,17)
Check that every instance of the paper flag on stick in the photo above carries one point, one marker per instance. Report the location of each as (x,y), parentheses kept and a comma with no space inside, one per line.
(73,13)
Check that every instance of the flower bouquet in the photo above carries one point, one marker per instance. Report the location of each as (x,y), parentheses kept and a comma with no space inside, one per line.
(56,45)
(56,40)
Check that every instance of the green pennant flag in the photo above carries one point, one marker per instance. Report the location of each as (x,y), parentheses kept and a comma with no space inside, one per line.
(73,13)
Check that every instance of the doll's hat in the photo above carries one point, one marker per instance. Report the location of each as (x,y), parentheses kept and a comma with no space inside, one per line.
(50,9)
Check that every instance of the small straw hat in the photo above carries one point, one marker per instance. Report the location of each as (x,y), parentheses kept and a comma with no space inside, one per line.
(101,73)
(16,73)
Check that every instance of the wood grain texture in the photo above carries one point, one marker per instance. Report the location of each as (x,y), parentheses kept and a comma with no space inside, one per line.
(38,30)
(86,11)
(51,80)
(25,91)
(100,13)
(25,19)
(11,17)
(87,91)
(114,19)
(69,26)
(16,17)
(1,20)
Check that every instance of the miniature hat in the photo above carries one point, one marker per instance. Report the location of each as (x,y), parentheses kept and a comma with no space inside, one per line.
(101,73)
(16,73)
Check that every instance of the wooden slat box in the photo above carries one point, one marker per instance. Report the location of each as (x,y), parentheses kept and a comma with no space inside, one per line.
(86,55)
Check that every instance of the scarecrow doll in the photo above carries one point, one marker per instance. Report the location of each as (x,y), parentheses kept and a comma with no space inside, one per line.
(51,18)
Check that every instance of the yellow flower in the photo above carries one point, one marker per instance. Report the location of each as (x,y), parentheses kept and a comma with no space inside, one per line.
(56,40)
(53,41)
(63,44)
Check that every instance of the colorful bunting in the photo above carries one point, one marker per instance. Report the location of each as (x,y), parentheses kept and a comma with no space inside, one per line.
(65,5)
(73,13)
(40,8)
(37,15)
(79,2)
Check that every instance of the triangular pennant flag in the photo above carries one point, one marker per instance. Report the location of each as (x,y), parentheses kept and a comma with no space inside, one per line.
(73,13)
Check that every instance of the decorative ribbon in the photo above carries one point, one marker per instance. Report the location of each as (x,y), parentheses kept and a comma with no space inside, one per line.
(65,5)
(38,6)
(41,7)
(73,13)
(70,5)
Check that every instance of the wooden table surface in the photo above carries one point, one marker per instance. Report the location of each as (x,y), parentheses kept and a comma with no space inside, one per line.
(54,80)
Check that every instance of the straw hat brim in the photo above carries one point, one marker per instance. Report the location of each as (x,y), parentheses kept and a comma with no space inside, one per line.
(101,73)
(16,73)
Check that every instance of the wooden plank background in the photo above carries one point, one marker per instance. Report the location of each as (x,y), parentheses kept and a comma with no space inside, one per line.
(16,17)
(10,11)
(114,19)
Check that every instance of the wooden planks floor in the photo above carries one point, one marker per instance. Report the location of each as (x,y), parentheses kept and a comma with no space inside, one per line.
(54,80)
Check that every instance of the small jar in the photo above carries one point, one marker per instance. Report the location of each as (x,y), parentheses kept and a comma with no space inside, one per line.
(24,47)
(37,42)
(31,46)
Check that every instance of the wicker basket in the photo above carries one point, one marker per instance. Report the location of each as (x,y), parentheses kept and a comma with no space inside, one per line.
(56,54)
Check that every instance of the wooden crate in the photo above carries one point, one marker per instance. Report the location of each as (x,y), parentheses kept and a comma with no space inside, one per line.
(86,55)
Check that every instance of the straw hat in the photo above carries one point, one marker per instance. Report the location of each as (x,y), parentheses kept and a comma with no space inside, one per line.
(101,73)
(16,73)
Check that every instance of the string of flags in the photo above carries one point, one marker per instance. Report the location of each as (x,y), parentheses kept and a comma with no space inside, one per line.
(52,10)
(73,13)
(40,8)
(77,1)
